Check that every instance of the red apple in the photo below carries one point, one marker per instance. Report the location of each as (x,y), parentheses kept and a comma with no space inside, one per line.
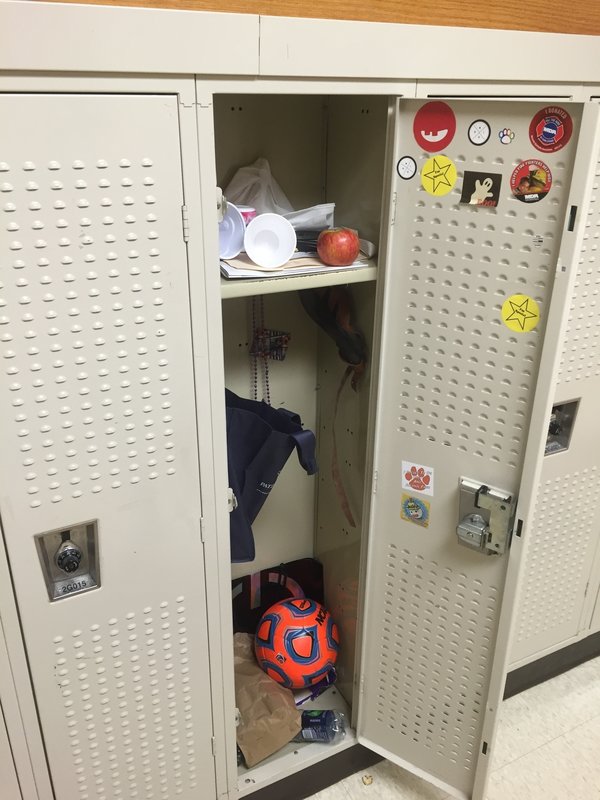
(338,247)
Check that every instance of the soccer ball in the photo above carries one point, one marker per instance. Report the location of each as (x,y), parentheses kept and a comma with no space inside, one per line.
(296,642)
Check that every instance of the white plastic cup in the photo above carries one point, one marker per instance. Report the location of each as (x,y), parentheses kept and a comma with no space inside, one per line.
(270,240)
(231,233)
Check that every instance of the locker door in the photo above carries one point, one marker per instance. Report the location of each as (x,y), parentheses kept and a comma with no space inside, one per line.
(8,775)
(98,425)
(462,393)
(595,625)
(562,566)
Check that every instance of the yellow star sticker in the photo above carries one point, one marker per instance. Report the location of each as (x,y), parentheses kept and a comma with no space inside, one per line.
(438,175)
(520,313)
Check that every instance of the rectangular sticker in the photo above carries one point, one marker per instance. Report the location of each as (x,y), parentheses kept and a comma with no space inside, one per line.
(415,510)
(481,188)
(417,477)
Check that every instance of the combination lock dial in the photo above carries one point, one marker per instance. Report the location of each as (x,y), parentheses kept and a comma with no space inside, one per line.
(68,557)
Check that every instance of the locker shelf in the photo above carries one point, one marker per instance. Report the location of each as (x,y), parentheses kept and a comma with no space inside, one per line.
(297,756)
(330,277)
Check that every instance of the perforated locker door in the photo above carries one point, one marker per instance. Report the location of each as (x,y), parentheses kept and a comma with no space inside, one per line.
(98,423)
(456,388)
(560,576)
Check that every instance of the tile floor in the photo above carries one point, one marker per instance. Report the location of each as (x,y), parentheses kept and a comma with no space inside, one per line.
(547,748)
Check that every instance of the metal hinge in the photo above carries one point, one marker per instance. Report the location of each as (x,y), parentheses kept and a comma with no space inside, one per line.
(202,530)
(186,223)
(361,687)
(213,744)
(375,479)
(394,198)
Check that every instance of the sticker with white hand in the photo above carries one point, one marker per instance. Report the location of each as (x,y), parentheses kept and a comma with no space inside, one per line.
(482,191)
(481,188)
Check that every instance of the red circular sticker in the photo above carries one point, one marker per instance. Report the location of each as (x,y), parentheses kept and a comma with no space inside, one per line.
(531,181)
(434,126)
(550,129)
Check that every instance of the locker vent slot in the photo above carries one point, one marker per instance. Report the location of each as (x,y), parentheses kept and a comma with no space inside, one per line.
(127,698)
(581,350)
(438,626)
(559,553)
(467,379)
(84,328)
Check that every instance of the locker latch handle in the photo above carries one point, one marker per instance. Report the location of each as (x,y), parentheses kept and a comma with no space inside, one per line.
(221,205)
(232,502)
(486,517)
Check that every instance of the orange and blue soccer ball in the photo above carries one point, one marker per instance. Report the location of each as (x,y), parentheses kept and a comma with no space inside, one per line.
(296,642)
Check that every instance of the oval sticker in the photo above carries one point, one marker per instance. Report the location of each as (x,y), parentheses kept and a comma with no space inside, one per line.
(434,126)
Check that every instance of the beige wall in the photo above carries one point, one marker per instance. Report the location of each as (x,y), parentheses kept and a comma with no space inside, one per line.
(559,16)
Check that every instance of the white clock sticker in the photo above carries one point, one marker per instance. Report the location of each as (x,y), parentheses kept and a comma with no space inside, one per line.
(406,168)
(479,132)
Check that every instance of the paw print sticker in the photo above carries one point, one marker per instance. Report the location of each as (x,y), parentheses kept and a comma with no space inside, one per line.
(417,477)
(506,135)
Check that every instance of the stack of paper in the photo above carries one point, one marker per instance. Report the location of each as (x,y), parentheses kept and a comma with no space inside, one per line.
(243,267)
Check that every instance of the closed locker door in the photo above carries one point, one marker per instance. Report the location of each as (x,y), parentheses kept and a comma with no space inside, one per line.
(99,443)
(8,774)
(595,626)
(562,566)
(479,236)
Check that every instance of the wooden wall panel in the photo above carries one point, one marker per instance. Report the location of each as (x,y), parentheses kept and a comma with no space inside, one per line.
(557,16)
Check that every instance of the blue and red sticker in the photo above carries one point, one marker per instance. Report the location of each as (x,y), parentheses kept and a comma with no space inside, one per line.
(415,510)
(550,129)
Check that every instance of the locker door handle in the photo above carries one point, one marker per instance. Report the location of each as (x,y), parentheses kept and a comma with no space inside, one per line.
(486,517)
(232,502)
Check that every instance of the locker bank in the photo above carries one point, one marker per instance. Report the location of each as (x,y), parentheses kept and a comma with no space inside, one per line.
(466,448)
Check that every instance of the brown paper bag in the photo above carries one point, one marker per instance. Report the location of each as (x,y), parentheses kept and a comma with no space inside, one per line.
(269,718)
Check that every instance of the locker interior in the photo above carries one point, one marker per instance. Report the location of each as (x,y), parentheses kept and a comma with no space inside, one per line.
(303,515)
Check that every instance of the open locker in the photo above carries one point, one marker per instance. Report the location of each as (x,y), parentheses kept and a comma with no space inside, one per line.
(309,142)
(468,210)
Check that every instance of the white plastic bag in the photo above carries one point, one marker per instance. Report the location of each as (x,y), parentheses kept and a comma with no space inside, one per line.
(313,218)
(255,186)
